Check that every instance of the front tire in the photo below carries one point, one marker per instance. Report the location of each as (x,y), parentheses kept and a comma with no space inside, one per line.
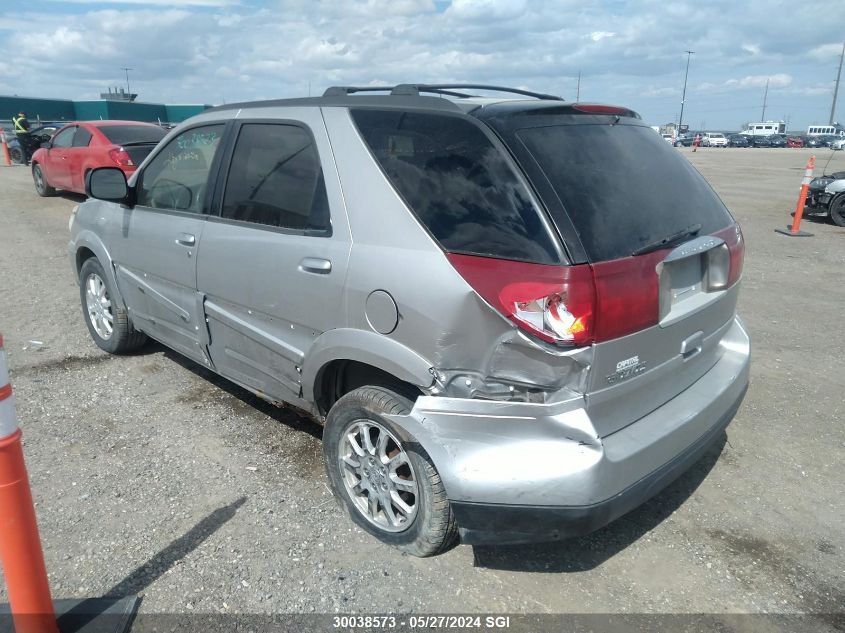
(107,322)
(383,478)
(837,210)
(42,187)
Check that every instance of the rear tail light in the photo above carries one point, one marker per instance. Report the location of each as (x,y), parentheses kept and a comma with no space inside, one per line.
(582,304)
(121,157)
(628,295)
(554,303)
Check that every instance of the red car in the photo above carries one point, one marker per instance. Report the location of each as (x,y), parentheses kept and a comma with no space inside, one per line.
(795,141)
(79,147)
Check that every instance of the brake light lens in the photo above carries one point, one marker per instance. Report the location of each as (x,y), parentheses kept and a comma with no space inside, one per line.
(627,295)
(596,108)
(121,157)
(553,303)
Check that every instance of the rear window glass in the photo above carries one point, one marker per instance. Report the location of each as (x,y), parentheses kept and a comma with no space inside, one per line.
(124,134)
(458,184)
(623,186)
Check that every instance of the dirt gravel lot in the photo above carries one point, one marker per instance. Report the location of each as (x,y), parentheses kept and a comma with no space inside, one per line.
(152,476)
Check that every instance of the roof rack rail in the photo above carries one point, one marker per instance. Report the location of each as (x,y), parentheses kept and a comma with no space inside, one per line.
(414,90)
(342,91)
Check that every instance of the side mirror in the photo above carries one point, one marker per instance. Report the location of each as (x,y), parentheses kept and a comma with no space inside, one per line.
(46,145)
(107,183)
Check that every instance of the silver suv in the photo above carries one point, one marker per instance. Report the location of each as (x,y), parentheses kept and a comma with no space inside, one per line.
(515,317)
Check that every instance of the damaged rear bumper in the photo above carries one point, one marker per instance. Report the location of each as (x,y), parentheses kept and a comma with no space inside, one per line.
(521,472)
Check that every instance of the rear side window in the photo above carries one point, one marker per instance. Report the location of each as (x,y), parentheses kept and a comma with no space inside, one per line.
(622,186)
(459,185)
(276,179)
(127,134)
(64,138)
(81,137)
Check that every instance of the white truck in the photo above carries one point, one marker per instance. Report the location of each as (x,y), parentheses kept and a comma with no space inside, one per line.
(765,128)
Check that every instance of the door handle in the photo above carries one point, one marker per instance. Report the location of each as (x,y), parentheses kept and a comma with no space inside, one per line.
(186,239)
(692,346)
(315,265)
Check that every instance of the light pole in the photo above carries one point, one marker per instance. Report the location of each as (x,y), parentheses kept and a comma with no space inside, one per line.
(684,95)
(128,91)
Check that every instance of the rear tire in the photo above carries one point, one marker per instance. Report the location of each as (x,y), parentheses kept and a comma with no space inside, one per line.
(16,154)
(107,322)
(837,210)
(365,454)
(42,187)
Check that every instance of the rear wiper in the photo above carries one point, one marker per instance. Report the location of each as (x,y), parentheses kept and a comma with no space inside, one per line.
(669,240)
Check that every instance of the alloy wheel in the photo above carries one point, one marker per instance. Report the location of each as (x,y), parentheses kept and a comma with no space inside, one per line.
(378,476)
(98,305)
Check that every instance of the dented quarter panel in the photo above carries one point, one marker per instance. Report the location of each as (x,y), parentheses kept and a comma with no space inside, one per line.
(552,455)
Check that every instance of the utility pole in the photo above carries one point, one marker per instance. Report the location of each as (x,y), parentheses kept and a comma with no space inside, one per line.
(765,96)
(684,95)
(578,89)
(126,70)
(836,88)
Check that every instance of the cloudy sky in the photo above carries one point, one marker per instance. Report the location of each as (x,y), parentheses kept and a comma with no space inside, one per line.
(630,53)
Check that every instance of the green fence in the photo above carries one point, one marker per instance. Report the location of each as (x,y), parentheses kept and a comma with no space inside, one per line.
(66,110)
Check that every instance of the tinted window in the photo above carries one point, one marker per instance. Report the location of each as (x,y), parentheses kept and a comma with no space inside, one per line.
(82,137)
(622,186)
(276,179)
(458,184)
(64,138)
(176,178)
(124,134)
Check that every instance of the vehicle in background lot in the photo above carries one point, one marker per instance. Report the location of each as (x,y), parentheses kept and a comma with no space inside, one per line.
(826,130)
(64,161)
(759,141)
(37,134)
(764,128)
(838,144)
(501,368)
(669,138)
(826,197)
(795,141)
(714,139)
(819,140)
(684,140)
(737,140)
(777,140)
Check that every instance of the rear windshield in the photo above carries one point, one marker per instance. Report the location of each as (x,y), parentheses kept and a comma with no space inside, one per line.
(622,186)
(459,185)
(123,134)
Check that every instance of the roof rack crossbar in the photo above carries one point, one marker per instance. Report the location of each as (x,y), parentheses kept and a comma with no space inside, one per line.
(416,89)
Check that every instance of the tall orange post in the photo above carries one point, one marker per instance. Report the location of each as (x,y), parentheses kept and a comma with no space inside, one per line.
(795,229)
(20,545)
(6,157)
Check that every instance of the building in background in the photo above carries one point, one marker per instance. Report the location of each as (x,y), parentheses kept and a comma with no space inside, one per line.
(117,107)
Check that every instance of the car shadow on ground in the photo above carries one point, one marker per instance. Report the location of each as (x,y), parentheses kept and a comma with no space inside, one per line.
(76,198)
(588,552)
(289,416)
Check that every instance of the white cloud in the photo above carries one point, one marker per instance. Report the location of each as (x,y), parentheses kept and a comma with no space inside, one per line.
(210,50)
(779,80)
(825,52)
(171,3)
